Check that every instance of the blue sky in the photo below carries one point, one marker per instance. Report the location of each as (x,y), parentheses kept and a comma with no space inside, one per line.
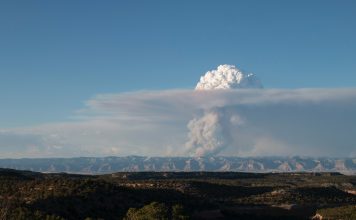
(55,55)
(66,69)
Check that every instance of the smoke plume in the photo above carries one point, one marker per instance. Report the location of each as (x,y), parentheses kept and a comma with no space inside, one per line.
(207,135)
(210,133)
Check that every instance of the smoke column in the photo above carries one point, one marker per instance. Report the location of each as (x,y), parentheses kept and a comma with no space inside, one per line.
(210,133)
(207,136)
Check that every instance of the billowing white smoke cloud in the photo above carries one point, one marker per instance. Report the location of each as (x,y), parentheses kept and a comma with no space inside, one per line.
(210,133)
(227,77)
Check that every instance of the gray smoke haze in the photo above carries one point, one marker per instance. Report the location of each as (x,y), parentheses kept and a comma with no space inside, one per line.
(255,122)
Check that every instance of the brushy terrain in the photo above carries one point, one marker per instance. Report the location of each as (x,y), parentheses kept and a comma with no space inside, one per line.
(176,195)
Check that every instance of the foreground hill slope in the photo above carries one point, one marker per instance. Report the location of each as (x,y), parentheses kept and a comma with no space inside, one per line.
(175,195)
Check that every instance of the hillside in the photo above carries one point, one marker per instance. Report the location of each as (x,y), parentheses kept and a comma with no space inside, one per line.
(175,195)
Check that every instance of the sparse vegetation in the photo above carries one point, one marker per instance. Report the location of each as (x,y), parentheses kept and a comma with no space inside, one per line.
(343,212)
(196,195)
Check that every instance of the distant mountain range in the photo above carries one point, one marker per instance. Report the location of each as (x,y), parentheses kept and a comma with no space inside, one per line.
(102,165)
